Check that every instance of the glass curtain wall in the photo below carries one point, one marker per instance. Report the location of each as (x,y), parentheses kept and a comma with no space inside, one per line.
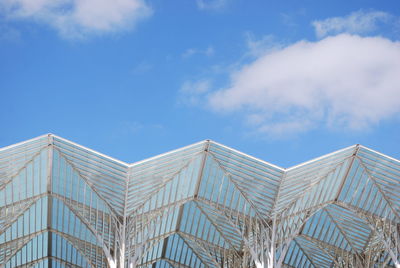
(204,205)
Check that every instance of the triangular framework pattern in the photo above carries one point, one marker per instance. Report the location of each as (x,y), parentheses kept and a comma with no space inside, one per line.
(204,205)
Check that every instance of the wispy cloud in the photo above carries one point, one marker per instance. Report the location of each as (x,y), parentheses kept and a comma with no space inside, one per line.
(195,51)
(211,4)
(136,127)
(345,81)
(9,34)
(142,67)
(78,18)
(290,18)
(193,92)
(259,46)
(359,22)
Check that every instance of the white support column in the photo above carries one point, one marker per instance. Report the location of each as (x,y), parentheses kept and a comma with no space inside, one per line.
(112,263)
(50,200)
(123,240)
(271,250)
(122,244)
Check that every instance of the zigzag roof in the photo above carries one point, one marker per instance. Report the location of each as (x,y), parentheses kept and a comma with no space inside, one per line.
(201,195)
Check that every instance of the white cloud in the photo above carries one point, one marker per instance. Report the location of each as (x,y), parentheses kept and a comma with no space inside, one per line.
(344,81)
(359,22)
(211,4)
(78,18)
(195,51)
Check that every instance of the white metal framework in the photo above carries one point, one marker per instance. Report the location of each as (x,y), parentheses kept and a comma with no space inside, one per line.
(205,205)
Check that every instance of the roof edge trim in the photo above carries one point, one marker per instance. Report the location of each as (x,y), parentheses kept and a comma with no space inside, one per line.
(167,153)
(381,154)
(92,151)
(247,155)
(128,165)
(323,156)
(24,142)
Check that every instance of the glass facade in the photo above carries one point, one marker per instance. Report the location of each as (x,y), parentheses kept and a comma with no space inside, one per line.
(204,205)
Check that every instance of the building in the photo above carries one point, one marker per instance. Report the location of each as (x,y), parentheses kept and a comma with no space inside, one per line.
(204,205)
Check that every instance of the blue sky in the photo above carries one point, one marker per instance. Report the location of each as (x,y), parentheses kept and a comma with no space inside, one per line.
(285,81)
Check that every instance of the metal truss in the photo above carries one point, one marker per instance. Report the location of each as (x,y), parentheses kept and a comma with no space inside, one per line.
(205,205)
